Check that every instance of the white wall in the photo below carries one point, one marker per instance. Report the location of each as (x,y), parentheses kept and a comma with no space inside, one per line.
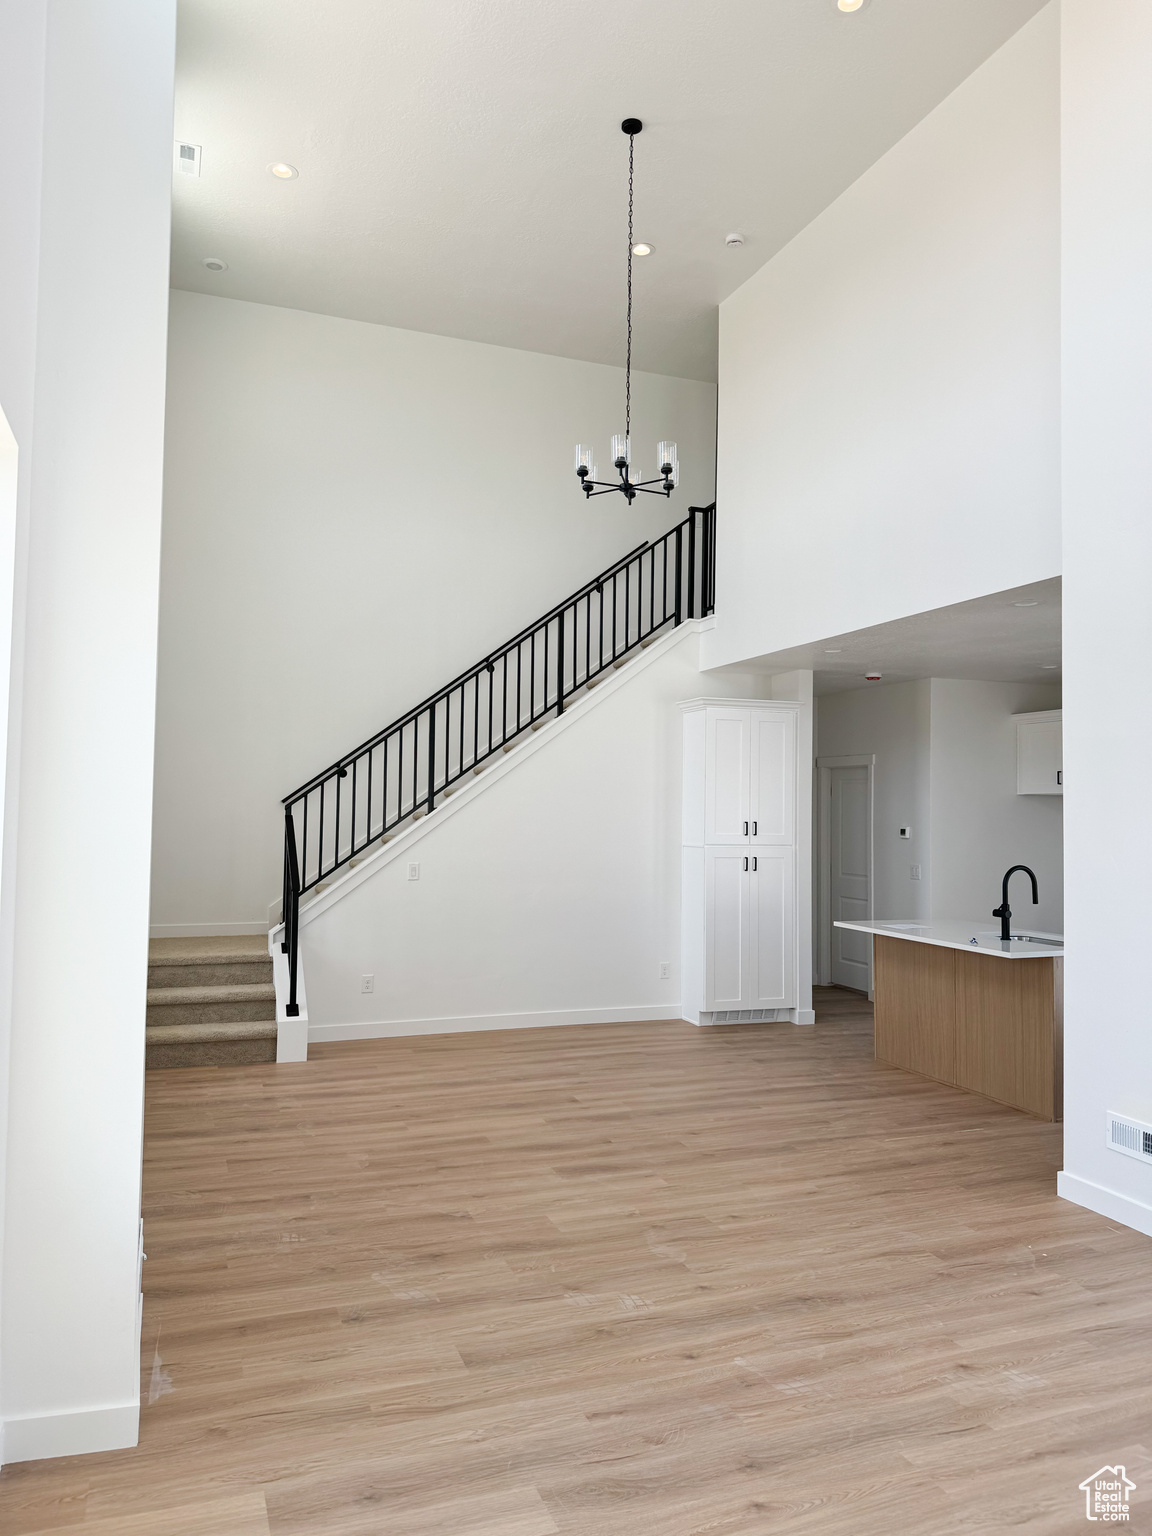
(889,382)
(1107,380)
(891,722)
(354,514)
(980,825)
(553,896)
(83,306)
(945,754)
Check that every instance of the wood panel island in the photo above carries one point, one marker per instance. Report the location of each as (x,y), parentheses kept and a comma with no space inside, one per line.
(955,1002)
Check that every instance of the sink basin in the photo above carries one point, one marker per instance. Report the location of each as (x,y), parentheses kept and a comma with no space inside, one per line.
(990,939)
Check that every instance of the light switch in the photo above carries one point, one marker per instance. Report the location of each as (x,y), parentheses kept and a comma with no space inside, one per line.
(368,983)
(413,870)
(915,871)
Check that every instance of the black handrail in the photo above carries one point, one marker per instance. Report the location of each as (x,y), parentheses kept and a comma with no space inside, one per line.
(398,773)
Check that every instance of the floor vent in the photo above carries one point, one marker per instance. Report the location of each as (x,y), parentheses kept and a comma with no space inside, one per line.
(745,1016)
(1132,1137)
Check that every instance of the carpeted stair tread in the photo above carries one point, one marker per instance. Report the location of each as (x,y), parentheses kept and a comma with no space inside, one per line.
(211,1002)
(168,997)
(224,946)
(196,1034)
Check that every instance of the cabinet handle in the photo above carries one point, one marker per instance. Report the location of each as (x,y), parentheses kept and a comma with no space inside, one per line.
(754,829)
(745,863)
(1060,776)
(753,866)
(745,829)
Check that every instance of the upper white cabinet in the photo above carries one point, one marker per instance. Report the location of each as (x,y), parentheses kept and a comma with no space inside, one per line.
(727,776)
(739,864)
(749,776)
(1040,753)
(773,778)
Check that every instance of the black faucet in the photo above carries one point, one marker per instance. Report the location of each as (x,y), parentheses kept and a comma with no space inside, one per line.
(1004,911)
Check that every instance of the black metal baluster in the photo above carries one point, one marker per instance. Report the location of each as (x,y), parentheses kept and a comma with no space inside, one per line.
(679,561)
(560,664)
(691,563)
(292,914)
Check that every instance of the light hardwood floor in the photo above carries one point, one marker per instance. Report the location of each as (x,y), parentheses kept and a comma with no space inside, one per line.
(630,1280)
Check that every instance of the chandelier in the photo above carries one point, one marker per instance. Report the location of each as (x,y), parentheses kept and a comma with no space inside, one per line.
(669,469)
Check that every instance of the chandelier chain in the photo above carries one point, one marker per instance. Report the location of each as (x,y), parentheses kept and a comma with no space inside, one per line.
(628,365)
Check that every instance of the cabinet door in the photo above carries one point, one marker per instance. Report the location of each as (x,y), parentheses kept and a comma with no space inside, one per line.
(772,802)
(770,918)
(1039,757)
(727,753)
(726,959)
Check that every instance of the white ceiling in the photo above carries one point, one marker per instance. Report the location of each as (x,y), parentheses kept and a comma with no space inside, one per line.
(1010,637)
(462,169)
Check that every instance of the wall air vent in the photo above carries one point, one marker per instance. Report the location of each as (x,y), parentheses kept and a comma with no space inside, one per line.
(1132,1137)
(187,158)
(745,1016)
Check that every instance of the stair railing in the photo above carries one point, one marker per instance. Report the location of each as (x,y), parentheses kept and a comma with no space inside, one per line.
(401,771)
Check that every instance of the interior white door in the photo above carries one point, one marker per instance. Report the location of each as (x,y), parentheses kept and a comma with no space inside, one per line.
(773,777)
(726,962)
(850,877)
(727,752)
(770,928)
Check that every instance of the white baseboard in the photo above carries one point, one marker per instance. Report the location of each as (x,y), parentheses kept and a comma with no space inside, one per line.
(1105,1202)
(803,1015)
(71,1434)
(387,1029)
(202,930)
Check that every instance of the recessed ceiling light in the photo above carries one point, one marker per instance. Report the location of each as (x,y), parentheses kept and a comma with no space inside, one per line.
(215,263)
(285,171)
(832,651)
(642,248)
(1050,666)
(851,5)
(1033,604)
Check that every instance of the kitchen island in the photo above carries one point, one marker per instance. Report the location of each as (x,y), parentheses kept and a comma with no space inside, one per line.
(955,1002)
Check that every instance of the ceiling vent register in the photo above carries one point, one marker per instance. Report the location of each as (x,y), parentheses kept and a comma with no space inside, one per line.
(1132,1137)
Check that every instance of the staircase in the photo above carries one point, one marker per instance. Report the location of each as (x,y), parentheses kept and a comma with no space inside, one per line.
(402,773)
(211,1002)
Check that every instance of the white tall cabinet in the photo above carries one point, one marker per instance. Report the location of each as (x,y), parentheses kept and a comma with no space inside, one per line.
(738,872)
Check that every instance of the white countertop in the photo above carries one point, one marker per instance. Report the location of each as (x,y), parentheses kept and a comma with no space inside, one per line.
(983,938)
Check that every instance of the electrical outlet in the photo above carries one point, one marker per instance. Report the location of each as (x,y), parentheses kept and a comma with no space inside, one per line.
(413,870)
(915,871)
(367,983)
(665,970)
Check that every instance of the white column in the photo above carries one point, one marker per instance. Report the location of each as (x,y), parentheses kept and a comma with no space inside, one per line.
(1106,63)
(798,685)
(84,209)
